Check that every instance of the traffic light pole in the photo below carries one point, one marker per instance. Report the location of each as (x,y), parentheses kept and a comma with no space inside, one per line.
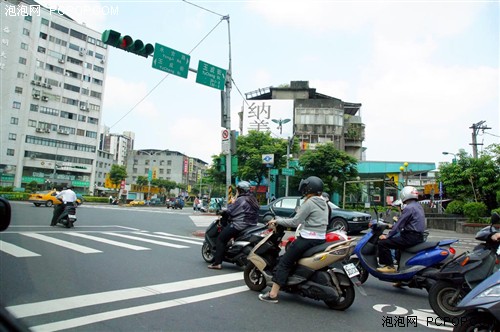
(227,108)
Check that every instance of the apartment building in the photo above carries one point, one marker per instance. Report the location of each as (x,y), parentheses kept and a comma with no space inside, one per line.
(52,83)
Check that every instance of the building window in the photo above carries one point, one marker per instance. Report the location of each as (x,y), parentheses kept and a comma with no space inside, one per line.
(28,18)
(82,118)
(97,81)
(14,121)
(20,75)
(95,94)
(18,89)
(71,87)
(91,53)
(16,105)
(41,49)
(98,69)
(12,136)
(45,21)
(78,35)
(59,27)
(33,108)
(26,32)
(31,123)
(24,46)
(43,35)
(22,60)
(91,134)
(10,152)
(80,132)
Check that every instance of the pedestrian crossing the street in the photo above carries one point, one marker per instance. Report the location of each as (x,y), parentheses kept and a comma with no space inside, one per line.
(128,239)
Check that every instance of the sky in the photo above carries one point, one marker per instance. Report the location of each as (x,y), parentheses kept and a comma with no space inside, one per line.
(424,71)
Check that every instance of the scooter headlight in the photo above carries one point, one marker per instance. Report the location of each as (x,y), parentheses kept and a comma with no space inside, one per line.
(492,291)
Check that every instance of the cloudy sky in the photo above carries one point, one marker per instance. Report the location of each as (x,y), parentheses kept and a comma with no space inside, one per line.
(425,71)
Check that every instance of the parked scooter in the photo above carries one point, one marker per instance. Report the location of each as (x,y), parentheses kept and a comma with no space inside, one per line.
(415,264)
(68,216)
(237,249)
(459,276)
(312,277)
(482,307)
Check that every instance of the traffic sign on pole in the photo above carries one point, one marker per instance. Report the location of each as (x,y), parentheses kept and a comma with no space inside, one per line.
(211,75)
(171,61)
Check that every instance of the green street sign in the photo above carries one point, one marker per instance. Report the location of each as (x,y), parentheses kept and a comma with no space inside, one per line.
(171,61)
(288,171)
(211,75)
(273,171)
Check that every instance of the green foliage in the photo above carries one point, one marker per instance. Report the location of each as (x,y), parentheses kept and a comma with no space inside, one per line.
(117,174)
(32,186)
(142,180)
(95,199)
(14,196)
(6,189)
(455,207)
(474,211)
(473,179)
(328,163)
(498,197)
(495,210)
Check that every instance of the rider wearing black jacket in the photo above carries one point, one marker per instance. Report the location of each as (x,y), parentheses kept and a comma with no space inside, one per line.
(243,213)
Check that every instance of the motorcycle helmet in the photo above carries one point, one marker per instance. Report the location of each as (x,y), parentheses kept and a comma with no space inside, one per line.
(243,186)
(407,193)
(311,185)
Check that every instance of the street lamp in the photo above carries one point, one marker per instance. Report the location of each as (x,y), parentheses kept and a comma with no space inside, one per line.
(404,170)
(280,123)
(454,160)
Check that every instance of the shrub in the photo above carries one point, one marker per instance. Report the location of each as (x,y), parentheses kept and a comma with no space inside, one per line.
(455,207)
(475,210)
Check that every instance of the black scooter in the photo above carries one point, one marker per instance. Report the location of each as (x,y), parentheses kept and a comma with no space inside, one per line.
(459,276)
(237,249)
(68,216)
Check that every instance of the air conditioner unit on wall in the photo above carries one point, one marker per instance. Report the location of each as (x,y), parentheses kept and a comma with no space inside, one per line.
(61,61)
(36,96)
(83,108)
(38,83)
(45,98)
(40,130)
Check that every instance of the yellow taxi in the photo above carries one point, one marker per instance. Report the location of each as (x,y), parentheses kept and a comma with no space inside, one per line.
(137,202)
(48,198)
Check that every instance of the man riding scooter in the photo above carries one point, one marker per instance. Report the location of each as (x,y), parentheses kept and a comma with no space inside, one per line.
(407,232)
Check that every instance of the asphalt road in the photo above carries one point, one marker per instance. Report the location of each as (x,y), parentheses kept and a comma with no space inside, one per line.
(140,269)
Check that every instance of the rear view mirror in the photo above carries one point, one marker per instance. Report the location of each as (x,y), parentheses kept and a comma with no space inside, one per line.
(5,214)
(495,218)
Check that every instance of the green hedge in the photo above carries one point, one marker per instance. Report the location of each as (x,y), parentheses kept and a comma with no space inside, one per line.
(15,196)
(474,211)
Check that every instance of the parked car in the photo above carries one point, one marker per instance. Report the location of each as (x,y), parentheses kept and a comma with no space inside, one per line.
(352,221)
(48,198)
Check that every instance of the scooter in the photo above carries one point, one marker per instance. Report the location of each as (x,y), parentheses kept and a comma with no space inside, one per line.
(312,276)
(237,249)
(459,276)
(68,216)
(482,307)
(415,265)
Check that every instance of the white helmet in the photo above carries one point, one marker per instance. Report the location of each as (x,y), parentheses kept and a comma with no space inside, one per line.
(407,193)
(243,186)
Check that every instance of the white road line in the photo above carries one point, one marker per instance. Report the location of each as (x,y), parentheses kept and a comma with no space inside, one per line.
(66,244)
(51,306)
(16,251)
(166,244)
(103,316)
(180,236)
(115,243)
(169,237)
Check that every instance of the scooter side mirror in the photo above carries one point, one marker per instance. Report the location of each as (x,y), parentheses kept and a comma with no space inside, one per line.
(5,214)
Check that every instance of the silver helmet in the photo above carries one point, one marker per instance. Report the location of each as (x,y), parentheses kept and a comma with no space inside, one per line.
(407,193)
(243,186)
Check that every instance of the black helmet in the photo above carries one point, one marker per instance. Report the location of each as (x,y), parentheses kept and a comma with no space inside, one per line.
(311,185)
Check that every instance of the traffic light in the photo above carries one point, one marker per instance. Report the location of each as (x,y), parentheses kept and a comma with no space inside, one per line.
(115,39)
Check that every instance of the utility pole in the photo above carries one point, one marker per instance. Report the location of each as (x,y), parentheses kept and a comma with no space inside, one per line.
(475,129)
(226,116)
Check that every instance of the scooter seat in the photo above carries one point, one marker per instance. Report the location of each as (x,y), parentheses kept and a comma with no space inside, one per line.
(316,249)
(422,246)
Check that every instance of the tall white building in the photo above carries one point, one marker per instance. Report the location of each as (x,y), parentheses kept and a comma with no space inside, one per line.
(52,74)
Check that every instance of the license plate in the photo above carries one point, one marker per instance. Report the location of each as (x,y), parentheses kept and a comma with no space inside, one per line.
(351,270)
(72,216)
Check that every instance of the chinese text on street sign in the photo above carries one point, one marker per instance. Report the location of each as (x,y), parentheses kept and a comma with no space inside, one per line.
(211,75)
(171,61)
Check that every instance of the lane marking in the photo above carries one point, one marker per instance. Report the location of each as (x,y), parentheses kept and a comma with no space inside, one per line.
(113,314)
(65,244)
(114,243)
(165,244)
(74,302)
(16,251)
(161,236)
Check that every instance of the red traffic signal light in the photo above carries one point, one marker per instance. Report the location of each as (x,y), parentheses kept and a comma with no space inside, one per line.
(114,38)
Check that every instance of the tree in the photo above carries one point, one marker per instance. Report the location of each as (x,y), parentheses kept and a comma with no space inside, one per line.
(473,179)
(117,174)
(142,180)
(333,166)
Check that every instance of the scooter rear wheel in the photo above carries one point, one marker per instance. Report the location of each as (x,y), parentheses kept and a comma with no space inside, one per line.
(443,300)
(346,297)
(254,279)
(206,252)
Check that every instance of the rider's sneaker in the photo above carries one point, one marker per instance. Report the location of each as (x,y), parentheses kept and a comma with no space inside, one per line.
(387,269)
(267,298)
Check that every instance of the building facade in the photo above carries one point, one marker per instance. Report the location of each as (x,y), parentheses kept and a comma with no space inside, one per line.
(52,72)
(164,165)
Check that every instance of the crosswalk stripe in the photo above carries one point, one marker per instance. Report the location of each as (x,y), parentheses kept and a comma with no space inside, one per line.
(115,243)
(168,237)
(16,251)
(166,244)
(66,244)
(80,301)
